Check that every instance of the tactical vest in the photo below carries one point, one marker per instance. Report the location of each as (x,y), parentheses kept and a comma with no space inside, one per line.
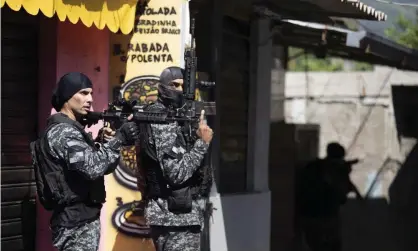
(74,199)
(157,186)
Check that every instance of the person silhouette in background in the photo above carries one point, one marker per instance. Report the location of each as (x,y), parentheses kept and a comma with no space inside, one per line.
(322,189)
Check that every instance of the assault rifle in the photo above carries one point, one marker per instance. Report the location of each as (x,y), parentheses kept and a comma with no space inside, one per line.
(119,111)
(190,109)
(189,113)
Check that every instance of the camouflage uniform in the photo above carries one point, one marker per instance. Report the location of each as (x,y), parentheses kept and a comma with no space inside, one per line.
(82,238)
(67,143)
(176,231)
(176,238)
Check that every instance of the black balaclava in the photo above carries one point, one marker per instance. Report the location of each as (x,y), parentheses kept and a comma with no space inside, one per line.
(67,86)
(167,94)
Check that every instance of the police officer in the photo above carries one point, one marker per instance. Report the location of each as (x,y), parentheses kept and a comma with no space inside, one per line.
(178,184)
(70,166)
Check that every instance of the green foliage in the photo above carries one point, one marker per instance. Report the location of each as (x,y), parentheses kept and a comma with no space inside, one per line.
(299,62)
(405,32)
(361,66)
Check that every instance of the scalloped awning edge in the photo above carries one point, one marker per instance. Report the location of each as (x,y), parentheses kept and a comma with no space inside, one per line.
(120,17)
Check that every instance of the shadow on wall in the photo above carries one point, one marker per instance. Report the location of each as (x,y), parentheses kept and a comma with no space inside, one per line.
(321,212)
(404,204)
(381,224)
(366,225)
(291,147)
(375,223)
(404,188)
(378,224)
(390,225)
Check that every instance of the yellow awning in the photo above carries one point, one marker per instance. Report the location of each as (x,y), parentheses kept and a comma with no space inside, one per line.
(115,14)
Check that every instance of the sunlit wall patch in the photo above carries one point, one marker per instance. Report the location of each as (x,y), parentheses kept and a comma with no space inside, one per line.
(129,219)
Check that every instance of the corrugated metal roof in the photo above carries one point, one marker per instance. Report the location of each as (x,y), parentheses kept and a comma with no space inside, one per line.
(317,10)
(393,12)
(379,15)
(357,45)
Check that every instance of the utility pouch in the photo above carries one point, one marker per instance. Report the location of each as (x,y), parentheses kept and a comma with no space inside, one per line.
(180,201)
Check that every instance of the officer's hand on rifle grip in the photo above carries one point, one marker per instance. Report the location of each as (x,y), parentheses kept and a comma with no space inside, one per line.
(204,131)
(128,133)
(105,134)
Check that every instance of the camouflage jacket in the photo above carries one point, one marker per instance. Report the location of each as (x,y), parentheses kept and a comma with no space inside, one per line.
(68,144)
(177,171)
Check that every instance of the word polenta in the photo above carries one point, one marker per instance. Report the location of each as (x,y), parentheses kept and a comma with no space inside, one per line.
(144,58)
(160,11)
(157,53)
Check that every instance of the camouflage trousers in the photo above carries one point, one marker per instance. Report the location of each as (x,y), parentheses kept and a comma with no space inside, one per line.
(82,238)
(176,238)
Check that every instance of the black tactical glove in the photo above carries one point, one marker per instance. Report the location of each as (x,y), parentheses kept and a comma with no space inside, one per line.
(128,133)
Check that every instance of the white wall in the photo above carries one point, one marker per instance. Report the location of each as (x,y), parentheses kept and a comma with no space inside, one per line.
(241,222)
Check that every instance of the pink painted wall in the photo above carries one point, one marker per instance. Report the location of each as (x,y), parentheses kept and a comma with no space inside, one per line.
(67,47)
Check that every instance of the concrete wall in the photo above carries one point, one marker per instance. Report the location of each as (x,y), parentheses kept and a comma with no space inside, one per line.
(356,110)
